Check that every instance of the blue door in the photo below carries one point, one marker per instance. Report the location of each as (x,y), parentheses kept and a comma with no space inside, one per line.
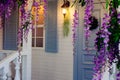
(83,60)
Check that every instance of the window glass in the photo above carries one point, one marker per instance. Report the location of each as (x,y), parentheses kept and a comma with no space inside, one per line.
(39,32)
(38,27)
(39,42)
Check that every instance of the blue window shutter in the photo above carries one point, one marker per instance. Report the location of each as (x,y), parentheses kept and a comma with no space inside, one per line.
(51,44)
(10,31)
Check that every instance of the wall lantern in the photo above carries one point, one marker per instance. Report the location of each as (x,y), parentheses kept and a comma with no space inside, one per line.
(64,7)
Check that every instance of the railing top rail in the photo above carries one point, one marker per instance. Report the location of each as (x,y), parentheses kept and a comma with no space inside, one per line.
(9,58)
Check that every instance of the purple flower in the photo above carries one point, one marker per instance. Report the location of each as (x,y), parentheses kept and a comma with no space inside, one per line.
(101,44)
(88,13)
(118,76)
(75,25)
(118,18)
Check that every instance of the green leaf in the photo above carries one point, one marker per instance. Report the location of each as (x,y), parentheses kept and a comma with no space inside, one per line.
(66,29)
(118,65)
(116,38)
(19,3)
(74,3)
(118,2)
(83,3)
(107,4)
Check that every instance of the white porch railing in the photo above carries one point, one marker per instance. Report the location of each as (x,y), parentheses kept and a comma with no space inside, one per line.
(9,60)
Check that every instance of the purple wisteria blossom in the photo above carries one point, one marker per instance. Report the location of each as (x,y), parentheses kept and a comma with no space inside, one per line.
(118,76)
(45,7)
(6,7)
(75,25)
(104,29)
(102,40)
(23,18)
(118,16)
(88,12)
(26,20)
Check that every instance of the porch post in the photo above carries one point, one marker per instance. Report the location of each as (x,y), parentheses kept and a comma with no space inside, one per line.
(26,58)
(27,51)
(17,69)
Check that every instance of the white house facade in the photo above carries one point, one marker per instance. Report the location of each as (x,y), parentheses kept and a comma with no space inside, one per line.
(48,54)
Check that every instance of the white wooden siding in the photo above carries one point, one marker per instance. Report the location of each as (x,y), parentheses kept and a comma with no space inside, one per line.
(1,39)
(55,66)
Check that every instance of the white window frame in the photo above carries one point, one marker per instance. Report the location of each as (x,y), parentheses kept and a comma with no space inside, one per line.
(39,26)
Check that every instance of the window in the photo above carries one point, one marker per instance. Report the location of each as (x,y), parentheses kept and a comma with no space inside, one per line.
(38,27)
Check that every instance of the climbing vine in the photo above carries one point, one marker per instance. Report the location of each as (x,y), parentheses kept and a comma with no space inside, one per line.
(6,7)
(108,37)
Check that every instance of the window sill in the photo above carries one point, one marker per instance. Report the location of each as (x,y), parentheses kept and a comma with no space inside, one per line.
(42,48)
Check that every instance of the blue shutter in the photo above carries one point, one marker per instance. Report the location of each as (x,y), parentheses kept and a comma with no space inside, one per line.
(51,44)
(10,31)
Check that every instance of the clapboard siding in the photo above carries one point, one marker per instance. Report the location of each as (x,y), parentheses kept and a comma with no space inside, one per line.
(1,39)
(50,66)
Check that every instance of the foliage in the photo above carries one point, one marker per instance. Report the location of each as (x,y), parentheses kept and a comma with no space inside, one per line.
(81,2)
(108,37)
(66,28)
(113,37)
(66,23)
(6,6)
(74,29)
(101,44)
(94,22)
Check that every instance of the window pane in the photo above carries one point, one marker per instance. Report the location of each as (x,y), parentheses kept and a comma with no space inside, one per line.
(39,32)
(40,20)
(41,16)
(39,42)
(33,32)
(33,42)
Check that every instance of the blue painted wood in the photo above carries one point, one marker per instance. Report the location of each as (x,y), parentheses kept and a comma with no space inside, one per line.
(83,61)
(10,31)
(51,41)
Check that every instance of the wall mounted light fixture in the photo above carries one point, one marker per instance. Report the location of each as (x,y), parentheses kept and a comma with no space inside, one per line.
(64,7)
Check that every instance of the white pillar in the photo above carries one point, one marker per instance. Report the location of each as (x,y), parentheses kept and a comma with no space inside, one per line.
(27,51)
(9,72)
(106,74)
(5,71)
(17,69)
(26,58)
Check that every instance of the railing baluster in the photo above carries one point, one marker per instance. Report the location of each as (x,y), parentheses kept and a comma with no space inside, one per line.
(6,67)
(5,72)
(9,72)
(17,68)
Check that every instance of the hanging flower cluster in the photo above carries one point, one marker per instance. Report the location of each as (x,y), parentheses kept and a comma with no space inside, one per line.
(108,37)
(88,12)
(6,6)
(75,25)
(45,7)
(26,19)
(102,48)
(108,44)
(23,29)
(115,36)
